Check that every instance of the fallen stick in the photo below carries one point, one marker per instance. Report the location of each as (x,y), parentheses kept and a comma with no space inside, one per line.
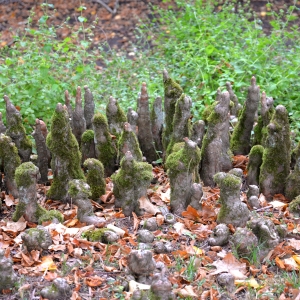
(112,11)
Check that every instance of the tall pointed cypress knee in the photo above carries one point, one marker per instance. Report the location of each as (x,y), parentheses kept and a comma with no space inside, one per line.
(144,126)
(215,151)
(16,130)
(89,107)
(132,118)
(69,107)
(42,150)
(115,117)
(104,148)
(128,142)
(198,130)
(88,145)
(292,187)
(183,167)
(240,140)
(181,122)
(79,124)
(66,157)
(275,167)
(157,122)
(253,167)
(11,160)
(236,107)
(172,91)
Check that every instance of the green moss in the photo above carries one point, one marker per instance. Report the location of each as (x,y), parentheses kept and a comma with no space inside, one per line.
(78,187)
(50,215)
(64,147)
(100,119)
(119,118)
(294,206)
(19,212)
(131,140)
(23,174)
(87,136)
(95,177)
(95,235)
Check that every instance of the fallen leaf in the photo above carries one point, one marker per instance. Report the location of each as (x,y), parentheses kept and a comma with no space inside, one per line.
(249,282)
(230,265)
(15,226)
(279,263)
(9,200)
(180,228)
(278,204)
(93,281)
(191,214)
(290,264)
(133,285)
(147,206)
(187,291)
(294,243)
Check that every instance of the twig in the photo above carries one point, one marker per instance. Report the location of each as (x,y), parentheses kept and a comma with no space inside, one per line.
(263,208)
(107,7)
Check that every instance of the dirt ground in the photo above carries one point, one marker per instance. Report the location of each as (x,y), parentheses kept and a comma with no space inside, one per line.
(117,29)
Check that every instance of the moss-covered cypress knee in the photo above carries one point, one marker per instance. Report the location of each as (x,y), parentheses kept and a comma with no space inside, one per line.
(144,126)
(26,176)
(11,160)
(157,122)
(275,167)
(66,157)
(69,108)
(181,122)
(172,92)
(128,142)
(233,210)
(132,118)
(240,140)
(104,148)
(198,130)
(79,123)
(89,107)
(115,117)
(95,178)
(42,150)
(131,183)
(88,145)
(182,170)
(80,192)
(292,187)
(236,107)
(253,167)
(16,131)
(7,276)
(215,152)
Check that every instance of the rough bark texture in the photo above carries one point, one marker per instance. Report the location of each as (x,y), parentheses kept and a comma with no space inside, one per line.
(11,160)
(220,236)
(172,92)
(267,111)
(157,121)
(16,131)
(233,210)
(215,152)
(275,167)
(104,148)
(79,191)
(26,176)
(7,276)
(69,108)
(244,241)
(129,142)
(181,122)
(252,195)
(42,150)
(240,140)
(265,231)
(131,183)
(95,178)
(292,187)
(236,106)
(89,107)
(36,238)
(253,167)
(182,168)
(144,126)
(66,157)
(132,118)
(88,145)
(198,130)
(196,196)
(79,123)
(2,126)
(161,287)
(58,290)
(141,262)
(115,117)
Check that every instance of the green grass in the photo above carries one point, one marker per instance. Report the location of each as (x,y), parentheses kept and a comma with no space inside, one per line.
(201,49)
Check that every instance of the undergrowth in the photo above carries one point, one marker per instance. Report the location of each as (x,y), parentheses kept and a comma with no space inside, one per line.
(201,48)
